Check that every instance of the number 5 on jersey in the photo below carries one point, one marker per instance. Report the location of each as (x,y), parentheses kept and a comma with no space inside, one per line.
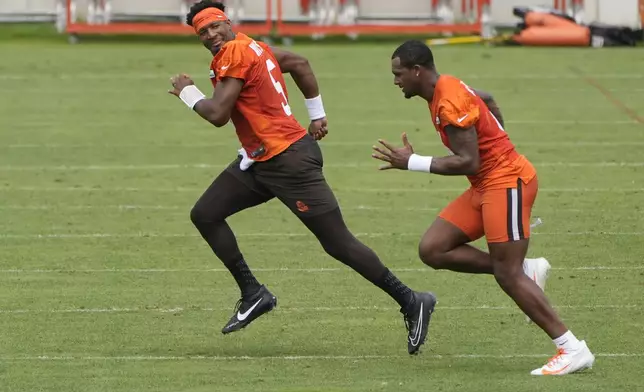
(278,86)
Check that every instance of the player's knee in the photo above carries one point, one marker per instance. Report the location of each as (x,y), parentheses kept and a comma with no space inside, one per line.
(335,250)
(338,245)
(195,215)
(343,246)
(430,253)
(506,274)
(201,215)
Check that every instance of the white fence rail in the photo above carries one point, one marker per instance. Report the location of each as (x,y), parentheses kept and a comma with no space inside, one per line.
(622,12)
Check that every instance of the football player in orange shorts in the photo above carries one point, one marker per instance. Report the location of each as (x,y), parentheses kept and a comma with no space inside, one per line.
(497,205)
(278,159)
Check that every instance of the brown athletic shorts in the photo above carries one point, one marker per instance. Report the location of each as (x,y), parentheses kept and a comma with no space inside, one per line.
(294,177)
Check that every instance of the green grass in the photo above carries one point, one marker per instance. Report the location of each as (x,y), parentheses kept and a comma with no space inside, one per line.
(105,285)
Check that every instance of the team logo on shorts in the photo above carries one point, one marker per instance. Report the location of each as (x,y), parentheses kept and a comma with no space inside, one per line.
(301,207)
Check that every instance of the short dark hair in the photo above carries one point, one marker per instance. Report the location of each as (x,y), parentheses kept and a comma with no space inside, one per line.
(414,52)
(200,6)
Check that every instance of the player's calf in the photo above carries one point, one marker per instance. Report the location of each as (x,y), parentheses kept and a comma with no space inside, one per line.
(339,243)
(508,259)
(537,270)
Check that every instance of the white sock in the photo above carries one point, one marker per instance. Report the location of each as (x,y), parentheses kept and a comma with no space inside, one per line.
(567,341)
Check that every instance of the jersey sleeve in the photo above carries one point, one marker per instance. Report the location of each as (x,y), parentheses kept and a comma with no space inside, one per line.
(235,62)
(458,107)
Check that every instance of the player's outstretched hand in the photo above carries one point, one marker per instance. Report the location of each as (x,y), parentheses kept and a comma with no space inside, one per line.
(179,82)
(396,158)
(318,128)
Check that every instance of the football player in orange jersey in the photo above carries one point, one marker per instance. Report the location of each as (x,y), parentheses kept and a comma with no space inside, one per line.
(497,205)
(278,159)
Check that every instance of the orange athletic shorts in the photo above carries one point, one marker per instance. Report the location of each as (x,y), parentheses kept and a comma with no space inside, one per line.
(502,215)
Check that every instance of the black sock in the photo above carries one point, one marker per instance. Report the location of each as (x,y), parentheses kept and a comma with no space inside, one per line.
(395,288)
(244,278)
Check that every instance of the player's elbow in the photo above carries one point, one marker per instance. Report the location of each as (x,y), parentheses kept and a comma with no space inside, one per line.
(295,64)
(220,123)
(485,96)
(302,63)
(218,119)
(471,165)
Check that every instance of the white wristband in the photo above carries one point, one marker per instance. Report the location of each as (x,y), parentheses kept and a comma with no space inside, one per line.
(190,95)
(315,107)
(419,163)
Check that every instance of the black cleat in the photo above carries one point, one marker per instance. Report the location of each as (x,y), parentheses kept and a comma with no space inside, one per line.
(248,309)
(417,317)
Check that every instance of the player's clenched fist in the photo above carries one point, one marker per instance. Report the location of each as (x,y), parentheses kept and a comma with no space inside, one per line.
(318,128)
(396,158)
(179,82)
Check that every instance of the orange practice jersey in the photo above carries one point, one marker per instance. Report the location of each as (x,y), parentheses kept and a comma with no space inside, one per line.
(456,104)
(262,117)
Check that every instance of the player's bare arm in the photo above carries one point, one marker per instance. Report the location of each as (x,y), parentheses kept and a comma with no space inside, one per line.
(215,110)
(300,70)
(464,145)
(491,104)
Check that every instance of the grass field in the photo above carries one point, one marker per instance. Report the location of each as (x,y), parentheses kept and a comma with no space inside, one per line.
(105,285)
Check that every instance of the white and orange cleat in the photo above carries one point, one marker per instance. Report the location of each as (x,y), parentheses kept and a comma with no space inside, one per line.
(537,270)
(567,361)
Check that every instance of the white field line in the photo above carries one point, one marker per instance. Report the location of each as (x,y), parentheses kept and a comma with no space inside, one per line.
(295,310)
(290,357)
(366,143)
(48,124)
(343,189)
(281,270)
(322,75)
(531,90)
(372,165)
(186,207)
(275,234)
